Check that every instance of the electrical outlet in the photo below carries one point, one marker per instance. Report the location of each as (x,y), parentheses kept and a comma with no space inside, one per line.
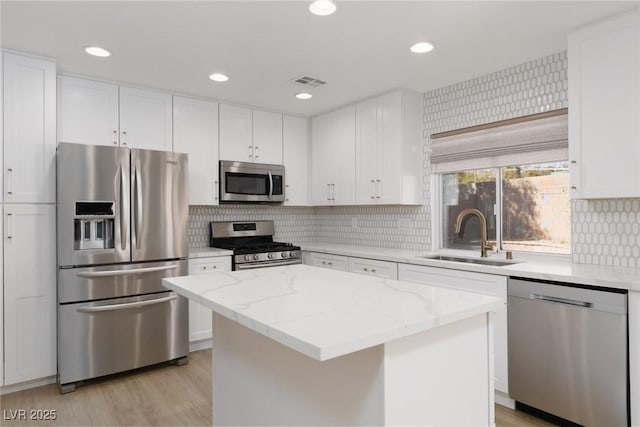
(354,222)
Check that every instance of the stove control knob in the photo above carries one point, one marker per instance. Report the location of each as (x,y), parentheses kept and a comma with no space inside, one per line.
(294,254)
(256,257)
(247,257)
(285,254)
(271,255)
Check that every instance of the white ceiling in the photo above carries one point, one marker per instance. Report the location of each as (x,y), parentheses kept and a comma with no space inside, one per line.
(361,50)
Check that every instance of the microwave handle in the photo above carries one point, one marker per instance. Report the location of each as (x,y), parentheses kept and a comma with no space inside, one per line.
(270,185)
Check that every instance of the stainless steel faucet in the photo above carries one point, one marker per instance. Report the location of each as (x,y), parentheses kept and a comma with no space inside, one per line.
(484,246)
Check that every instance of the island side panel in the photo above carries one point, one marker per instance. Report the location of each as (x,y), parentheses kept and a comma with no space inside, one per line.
(257,381)
(442,376)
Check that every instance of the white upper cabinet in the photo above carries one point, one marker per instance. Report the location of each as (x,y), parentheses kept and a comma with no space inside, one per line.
(29,292)
(296,161)
(333,137)
(236,133)
(267,137)
(389,159)
(145,119)
(604,108)
(98,113)
(29,117)
(248,135)
(195,132)
(87,112)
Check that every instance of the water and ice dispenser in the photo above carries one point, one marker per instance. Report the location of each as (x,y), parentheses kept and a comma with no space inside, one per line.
(94,225)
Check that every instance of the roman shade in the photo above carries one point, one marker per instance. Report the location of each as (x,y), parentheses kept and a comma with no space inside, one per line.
(532,139)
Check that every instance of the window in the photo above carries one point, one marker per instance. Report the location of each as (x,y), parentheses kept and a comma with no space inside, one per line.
(527,207)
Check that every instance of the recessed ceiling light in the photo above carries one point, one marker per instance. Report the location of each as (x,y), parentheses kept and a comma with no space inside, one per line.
(304,95)
(218,77)
(322,7)
(422,47)
(97,51)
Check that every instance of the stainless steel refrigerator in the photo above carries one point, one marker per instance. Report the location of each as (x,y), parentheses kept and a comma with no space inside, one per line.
(122,226)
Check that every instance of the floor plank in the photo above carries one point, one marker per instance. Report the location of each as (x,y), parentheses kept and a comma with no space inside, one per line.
(161,396)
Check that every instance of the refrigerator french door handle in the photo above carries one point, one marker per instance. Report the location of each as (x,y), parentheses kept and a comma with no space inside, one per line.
(270,185)
(138,201)
(113,307)
(124,211)
(112,273)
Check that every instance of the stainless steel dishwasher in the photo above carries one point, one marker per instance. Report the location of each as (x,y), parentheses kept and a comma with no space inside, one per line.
(568,351)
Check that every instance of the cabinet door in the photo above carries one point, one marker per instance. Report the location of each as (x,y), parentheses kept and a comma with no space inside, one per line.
(236,133)
(200,316)
(145,119)
(296,161)
(389,149)
(29,130)
(87,112)
(321,160)
(29,292)
(195,132)
(366,151)
(487,284)
(267,137)
(343,156)
(604,100)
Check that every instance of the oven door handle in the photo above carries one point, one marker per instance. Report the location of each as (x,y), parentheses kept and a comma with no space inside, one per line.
(113,307)
(263,264)
(111,273)
(270,185)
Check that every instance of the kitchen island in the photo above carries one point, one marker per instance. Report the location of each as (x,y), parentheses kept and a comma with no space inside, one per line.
(301,345)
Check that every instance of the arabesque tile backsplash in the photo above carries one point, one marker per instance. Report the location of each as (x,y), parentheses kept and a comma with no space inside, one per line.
(603,232)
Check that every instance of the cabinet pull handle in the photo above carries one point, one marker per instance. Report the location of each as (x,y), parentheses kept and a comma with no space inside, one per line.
(366,269)
(10,181)
(9,225)
(333,194)
(115,136)
(323,262)
(215,190)
(573,162)
(378,182)
(373,270)
(124,140)
(330,263)
(328,191)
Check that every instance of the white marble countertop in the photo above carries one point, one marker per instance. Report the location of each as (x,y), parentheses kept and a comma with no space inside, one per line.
(543,269)
(325,313)
(207,252)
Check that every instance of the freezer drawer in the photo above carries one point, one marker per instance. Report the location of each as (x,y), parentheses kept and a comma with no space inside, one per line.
(113,281)
(109,336)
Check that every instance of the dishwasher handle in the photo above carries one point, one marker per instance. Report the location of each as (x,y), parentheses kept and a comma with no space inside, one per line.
(561,300)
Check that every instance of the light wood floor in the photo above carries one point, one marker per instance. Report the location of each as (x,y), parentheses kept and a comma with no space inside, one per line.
(162,396)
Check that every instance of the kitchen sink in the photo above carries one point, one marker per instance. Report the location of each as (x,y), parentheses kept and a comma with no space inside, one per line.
(481,261)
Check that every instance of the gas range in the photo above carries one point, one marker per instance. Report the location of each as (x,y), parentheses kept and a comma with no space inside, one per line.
(252,244)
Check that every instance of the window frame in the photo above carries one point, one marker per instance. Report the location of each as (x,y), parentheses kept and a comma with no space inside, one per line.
(438,224)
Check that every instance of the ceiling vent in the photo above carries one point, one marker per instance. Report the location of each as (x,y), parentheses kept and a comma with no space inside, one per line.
(307,81)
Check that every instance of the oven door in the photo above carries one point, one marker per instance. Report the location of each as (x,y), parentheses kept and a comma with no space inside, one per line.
(251,182)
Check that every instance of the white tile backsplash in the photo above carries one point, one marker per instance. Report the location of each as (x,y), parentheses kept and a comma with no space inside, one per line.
(603,232)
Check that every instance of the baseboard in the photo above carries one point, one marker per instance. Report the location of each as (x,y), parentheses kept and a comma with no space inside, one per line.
(7,389)
(504,400)
(200,345)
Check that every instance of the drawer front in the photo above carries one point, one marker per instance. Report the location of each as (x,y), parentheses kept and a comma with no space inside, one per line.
(386,269)
(209,265)
(335,262)
(481,283)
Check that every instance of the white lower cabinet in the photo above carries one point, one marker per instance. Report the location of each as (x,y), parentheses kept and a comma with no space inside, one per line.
(481,283)
(199,316)
(29,292)
(384,269)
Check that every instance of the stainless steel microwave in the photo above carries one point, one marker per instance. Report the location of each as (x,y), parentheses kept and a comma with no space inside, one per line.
(242,182)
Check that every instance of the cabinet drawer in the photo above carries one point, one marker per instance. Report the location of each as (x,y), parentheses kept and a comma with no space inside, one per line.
(209,265)
(386,269)
(336,262)
(481,283)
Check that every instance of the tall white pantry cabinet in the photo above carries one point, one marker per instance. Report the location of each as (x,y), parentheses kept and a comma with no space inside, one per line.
(28,224)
